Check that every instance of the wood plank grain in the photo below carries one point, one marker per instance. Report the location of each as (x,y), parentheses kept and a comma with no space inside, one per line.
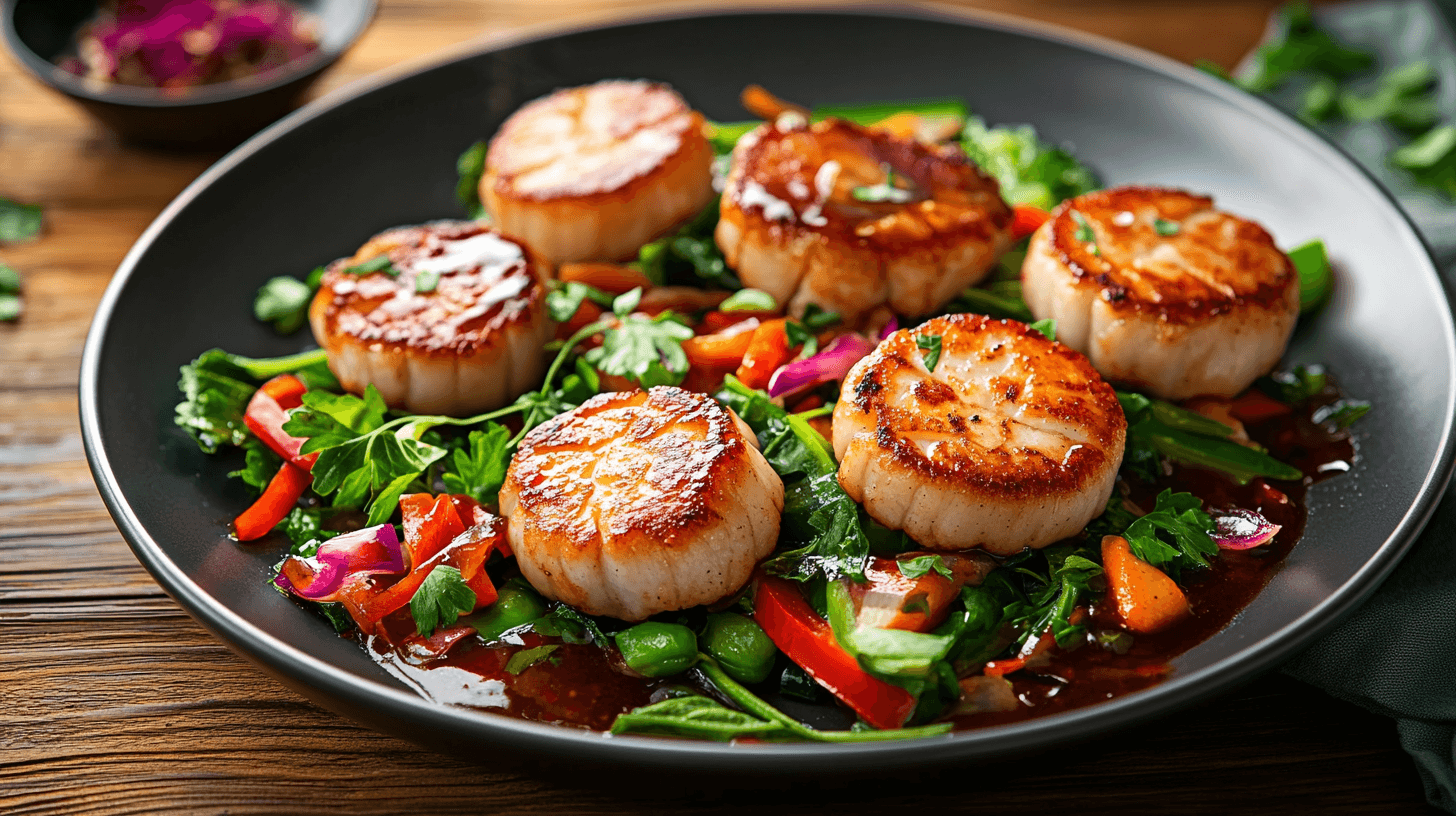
(112,700)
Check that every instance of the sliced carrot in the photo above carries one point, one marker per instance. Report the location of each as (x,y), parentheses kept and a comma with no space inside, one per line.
(725,348)
(1146,599)
(1026,219)
(905,125)
(613,279)
(891,600)
(716,321)
(1256,406)
(768,350)
(759,102)
(282,493)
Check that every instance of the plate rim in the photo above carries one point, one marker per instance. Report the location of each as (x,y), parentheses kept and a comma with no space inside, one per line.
(408,714)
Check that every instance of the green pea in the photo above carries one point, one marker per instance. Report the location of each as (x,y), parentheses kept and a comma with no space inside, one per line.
(516,606)
(740,647)
(658,649)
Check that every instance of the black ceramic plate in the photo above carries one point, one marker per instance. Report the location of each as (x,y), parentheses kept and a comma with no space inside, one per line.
(315,186)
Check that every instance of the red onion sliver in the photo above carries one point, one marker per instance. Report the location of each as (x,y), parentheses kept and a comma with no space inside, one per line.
(1240,529)
(370,551)
(830,364)
(891,327)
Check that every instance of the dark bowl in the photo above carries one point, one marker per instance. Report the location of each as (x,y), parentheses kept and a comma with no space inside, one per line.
(294,197)
(210,116)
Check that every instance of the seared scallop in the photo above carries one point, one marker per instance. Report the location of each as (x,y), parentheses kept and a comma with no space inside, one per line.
(968,432)
(1162,291)
(446,318)
(641,502)
(593,173)
(848,218)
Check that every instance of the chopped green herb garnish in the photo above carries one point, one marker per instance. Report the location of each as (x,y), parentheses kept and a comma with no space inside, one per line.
(565,298)
(427,281)
(1166,228)
(922,565)
(886,192)
(1047,328)
(470,167)
(818,319)
(1028,170)
(19,222)
(379,263)
(1176,535)
(1342,414)
(441,599)
(283,301)
(646,350)
(929,350)
(749,300)
(1296,386)
(1084,233)
(526,658)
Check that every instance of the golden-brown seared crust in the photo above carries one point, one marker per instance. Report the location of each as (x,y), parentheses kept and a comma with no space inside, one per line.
(638,131)
(780,186)
(486,282)
(645,469)
(1213,264)
(1029,417)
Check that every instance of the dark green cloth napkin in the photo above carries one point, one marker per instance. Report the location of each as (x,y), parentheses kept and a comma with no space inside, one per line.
(1396,655)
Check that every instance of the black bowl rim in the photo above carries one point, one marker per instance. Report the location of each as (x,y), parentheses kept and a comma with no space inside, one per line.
(140,97)
(435,724)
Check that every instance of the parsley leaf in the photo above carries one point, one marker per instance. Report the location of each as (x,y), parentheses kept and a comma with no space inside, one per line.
(471,166)
(1166,228)
(646,350)
(441,599)
(215,392)
(929,350)
(260,465)
(1047,328)
(480,469)
(283,301)
(921,565)
(19,222)
(526,658)
(565,299)
(1039,590)
(689,256)
(1175,536)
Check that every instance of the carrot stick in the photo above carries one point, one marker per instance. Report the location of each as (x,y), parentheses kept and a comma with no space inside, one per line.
(278,499)
(1146,599)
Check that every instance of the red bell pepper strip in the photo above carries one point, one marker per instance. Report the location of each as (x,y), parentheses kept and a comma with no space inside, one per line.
(268,410)
(807,639)
(282,493)
(768,350)
(1255,406)
(430,523)
(433,538)
(1026,219)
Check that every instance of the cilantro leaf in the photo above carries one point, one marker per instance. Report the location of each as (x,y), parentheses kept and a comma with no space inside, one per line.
(470,167)
(480,469)
(1046,328)
(1175,536)
(930,350)
(921,565)
(19,222)
(441,599)
(283,301)
(646,350)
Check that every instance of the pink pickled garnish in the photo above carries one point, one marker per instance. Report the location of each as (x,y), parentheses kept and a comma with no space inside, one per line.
(830,364)
(1240,529)
(891,327)
(370,551)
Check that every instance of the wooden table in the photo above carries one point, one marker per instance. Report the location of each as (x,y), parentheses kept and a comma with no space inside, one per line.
(113,700)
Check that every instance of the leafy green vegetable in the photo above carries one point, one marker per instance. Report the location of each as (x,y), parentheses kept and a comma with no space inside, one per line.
(689,256)
(1320,101)
(480,468)
(19,222)
(215,392)
(1047,328)
(1342,414)
(427,281)
(724,135)
(471,166)
(1431,159)
(749,300)
(1296,386)
(571,626)
(260,465)
(929,346)
(283,301)
(799,336)
(1160,429)
(698,717)
(304,527)
(1175,536)
(563,300)
(1299,45)
(999,299)
(873,112)
(818,319)
(646,350)
(1040,589)
(921,565)
(886,192)
(441,599)
(379,263)
(1403,98)
(884,652)
(1315,277)
(526,658)
(1028,170)
(10,305)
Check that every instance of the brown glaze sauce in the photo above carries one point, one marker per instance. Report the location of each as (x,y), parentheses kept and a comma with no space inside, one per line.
(587,687)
